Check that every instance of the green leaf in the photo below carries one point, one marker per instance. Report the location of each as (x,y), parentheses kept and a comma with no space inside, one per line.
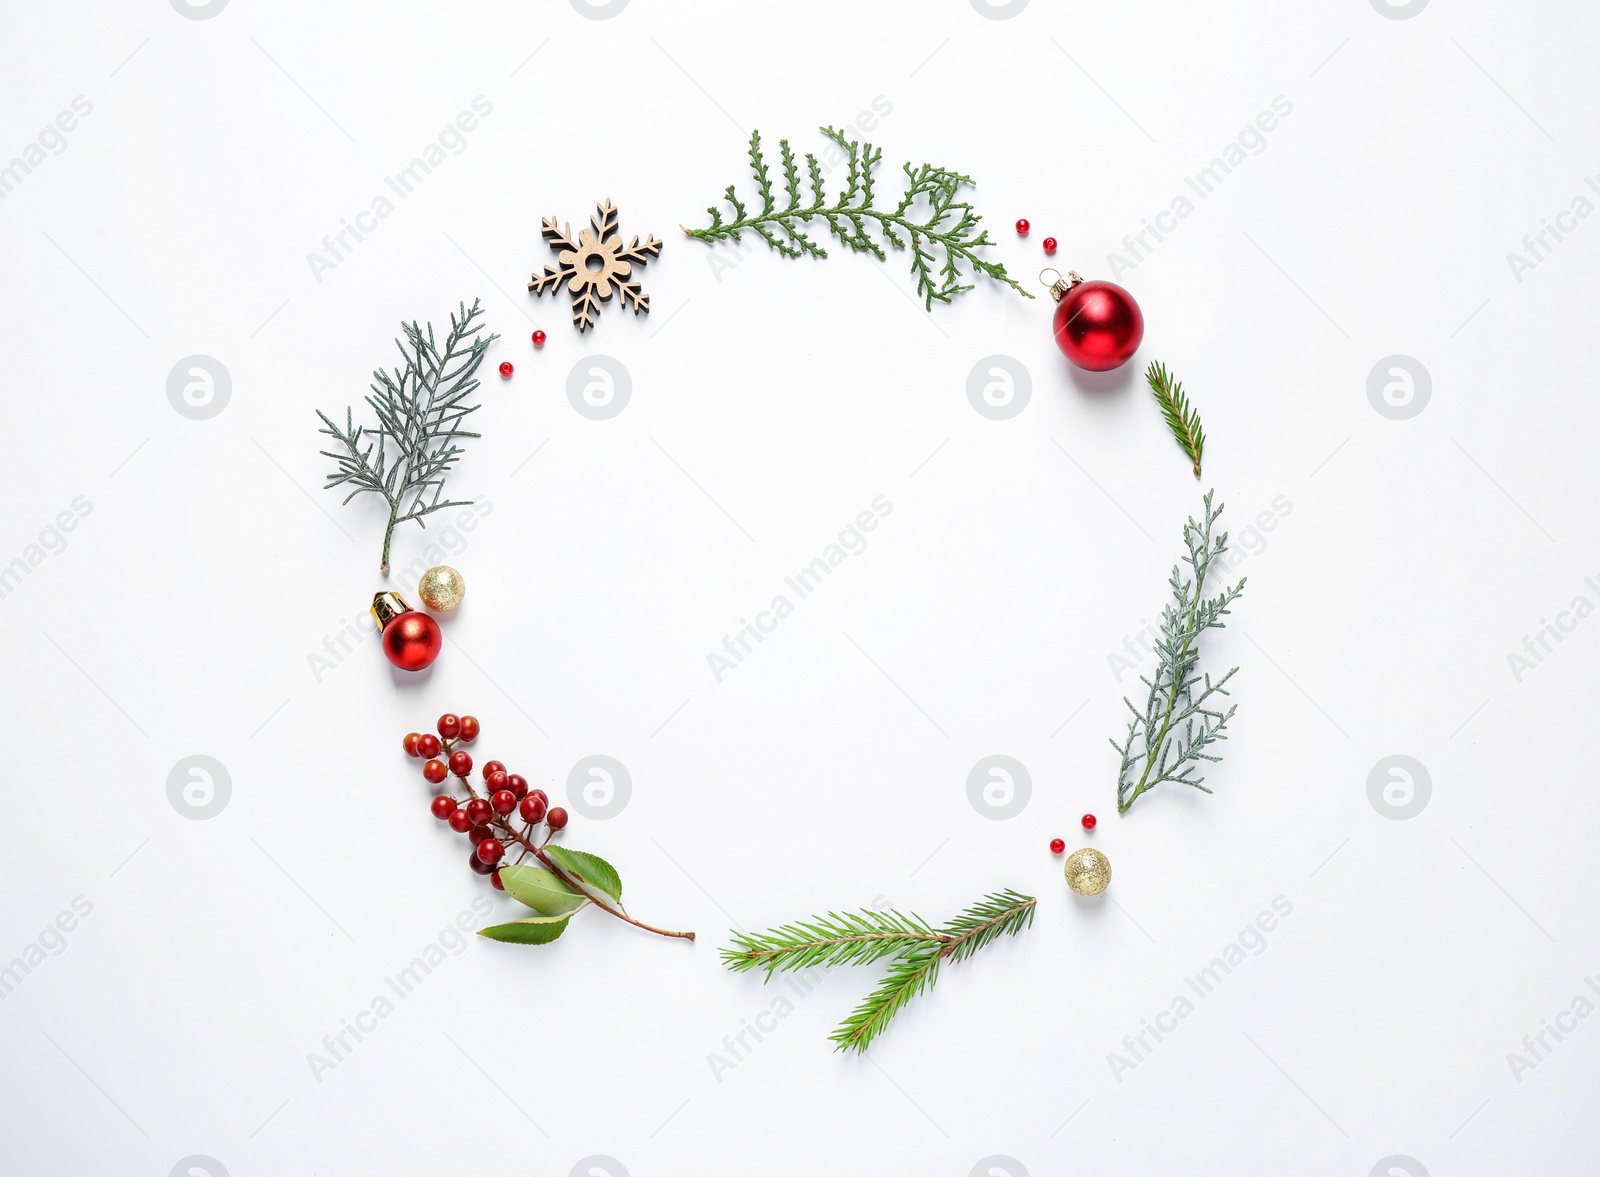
(536,929)
(590,869)
(539,889)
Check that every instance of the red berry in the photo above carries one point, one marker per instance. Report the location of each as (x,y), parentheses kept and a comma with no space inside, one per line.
(1089,822)
(410,743)
(449,726)
(503,802)
(460,763)
(1057,846)
(492,766)
(1049,244)
(478,834)
(434,772)
(541,794)
(495,879)
(518,785)
(459,821)
(538,339)
(1022,228)
(443,807)
(495,781)
(477,864)
(469,728)
(428,745)
(506,370)
(490,851)
(556,819)
(532,809)
(480,811)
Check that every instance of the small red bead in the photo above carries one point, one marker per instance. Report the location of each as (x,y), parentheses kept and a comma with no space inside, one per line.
(459,821)
(434,772)
(505,370)
(503,802)
(491,767)
(1049,244)
(460,763)
(1022,228)
(428,745)
(477,864)
(495,879)
(538,339)
(1089,822)
(556,819)
(490,851)
(449,726)
(443,807)
(518,785)
(410,743)
(1057,846)
(480,811)
(469,728)
(532,809)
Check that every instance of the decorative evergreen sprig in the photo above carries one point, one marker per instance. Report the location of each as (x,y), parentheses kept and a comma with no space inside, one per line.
(420,408)
(928,216)
(1180,416)
(1177,726)
(916,948)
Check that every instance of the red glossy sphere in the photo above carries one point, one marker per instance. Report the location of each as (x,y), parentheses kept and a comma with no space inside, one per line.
(491,767)
(532,809)
(428,745)
(443,807)
(518,785)
(410,744)
(460,763)
(495,781)
(480,811)
(1089,822)
(1057,846)
(490,851)
(477,864)
(541,794)
(1049,244)
(538,339)
(503,802)
(460,822)
(469,728)
(506,370)
(434,772)
(1098,326)
(412,640)
(449,726)
(495,879)
(556,819)
(1022,228)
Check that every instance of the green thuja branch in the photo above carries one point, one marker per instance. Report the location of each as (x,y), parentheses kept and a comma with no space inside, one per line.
(941,232)
(916,949)
(1181,418)
(1180,722)
(420,408)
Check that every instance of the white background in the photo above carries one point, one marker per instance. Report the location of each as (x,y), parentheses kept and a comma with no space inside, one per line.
(771,402)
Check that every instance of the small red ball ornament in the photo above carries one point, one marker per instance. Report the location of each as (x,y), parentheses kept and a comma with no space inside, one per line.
(1023,227)
(1089,822)
(1098,326)
(538,339)
(411,640)
(1057,846)
(505,370)
(1049,244)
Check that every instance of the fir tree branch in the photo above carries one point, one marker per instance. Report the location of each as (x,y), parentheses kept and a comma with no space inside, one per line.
(928,219)
(419,408)
(854,937)
(1177,728)
(1180,417)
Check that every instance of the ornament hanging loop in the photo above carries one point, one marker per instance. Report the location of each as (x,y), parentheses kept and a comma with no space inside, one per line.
(1062,283)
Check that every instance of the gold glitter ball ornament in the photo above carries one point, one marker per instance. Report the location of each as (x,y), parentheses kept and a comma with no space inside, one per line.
(1088,871)
(442,588)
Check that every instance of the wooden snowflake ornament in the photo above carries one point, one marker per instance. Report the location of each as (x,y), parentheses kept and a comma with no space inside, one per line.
(594,265)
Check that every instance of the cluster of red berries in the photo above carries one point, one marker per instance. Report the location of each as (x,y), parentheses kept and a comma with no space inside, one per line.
(486,820)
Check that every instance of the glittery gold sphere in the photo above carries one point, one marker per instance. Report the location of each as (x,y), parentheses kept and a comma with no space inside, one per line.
(1088,871)
(442,588)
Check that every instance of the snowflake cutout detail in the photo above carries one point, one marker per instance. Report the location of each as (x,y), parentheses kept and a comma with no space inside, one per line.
(594,265)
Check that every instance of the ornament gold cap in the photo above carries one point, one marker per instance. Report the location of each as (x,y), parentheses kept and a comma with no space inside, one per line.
(383,612)
(1062,283)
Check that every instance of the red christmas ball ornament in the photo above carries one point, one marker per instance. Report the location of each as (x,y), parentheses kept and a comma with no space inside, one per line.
(1089,821)
(505,370)
(1098,326)
(1023,227)
(538,339)
(411,640)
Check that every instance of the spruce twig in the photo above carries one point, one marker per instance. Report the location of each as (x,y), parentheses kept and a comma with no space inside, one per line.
(1180,416)
(928,217)
(420,408)
(916,949)
(1168,739)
